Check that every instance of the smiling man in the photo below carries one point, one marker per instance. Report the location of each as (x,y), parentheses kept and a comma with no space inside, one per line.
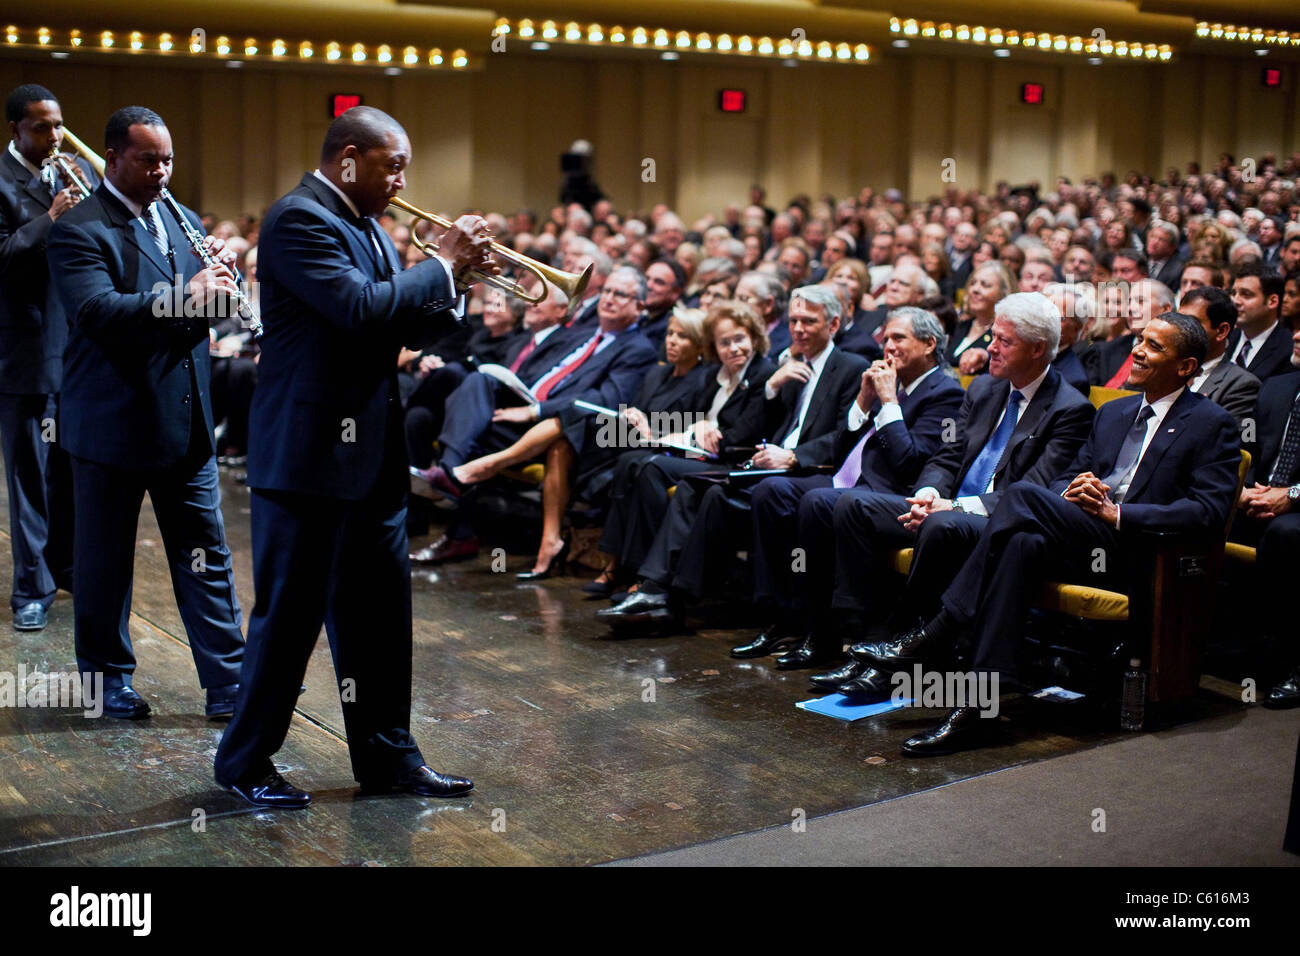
(327,462)
(1165,460)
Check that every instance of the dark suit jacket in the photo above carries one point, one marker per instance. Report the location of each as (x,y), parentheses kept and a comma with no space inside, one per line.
(610,378)
(742,418)
(335,320)
(827,409)
(135,364)
(1045,440)
(778,340)
(1171,273)
(1272,409)
(660,393)
(1070,366)
(1271,358)
(895,455)
(1110,356)
(859,339)
(33,328)
(1187,477)
(959,335)
(1232,387)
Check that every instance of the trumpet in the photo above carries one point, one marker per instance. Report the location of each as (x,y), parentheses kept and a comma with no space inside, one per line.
(571,284)
(243,304)
(60,162)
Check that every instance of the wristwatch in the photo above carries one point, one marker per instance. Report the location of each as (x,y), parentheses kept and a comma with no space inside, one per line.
(957,505)
(1293,494)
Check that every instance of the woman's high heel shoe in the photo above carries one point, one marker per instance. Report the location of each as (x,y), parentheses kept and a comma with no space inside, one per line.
(555,567)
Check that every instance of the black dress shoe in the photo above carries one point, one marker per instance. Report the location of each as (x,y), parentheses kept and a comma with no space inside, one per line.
(445,550)
(435,483)
(768,642)
(912,647)
(600,589)
(30,617)
(273,792)
(635,609)
(125,704)
(807,654)
(869,687)
(221,702)
(423,781)
(962,729)
(831,680)
(1284,695)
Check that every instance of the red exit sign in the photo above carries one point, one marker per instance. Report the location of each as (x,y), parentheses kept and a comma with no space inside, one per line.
(1271,76)
(1031,93)
(340,103)
(731,101)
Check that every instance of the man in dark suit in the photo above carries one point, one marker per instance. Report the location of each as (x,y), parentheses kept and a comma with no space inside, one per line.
(135,414)
(33,332)
(1269,516)
(327,464)
(808,399)
(1220,381)
(1163,262)
(665,281)
(906,286)
(1021,422)
(1261,343)
(906,399)
(961,258)
(1075,304)
(604,365)
(1165,460)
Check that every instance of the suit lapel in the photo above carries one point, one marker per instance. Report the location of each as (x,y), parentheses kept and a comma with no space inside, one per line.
(1027,427)
(134,232)
(32,185)
(363,250)
(981,429)
(824,385)
(1170,431)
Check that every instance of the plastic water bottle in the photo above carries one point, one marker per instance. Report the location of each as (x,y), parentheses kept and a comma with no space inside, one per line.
(1134,704)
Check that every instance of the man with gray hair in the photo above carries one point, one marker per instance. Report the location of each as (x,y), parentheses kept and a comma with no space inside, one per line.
(766,295)
(1020,422)
(906,286)
(1075,304)
(1163,262)
(808,399)
(893,428)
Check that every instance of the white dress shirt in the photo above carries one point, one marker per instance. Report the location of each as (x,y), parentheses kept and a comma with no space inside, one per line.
(890,412)
(1159,409)
(1255,343)
(13,151)
(1203,373)
(139,212)
(817,363)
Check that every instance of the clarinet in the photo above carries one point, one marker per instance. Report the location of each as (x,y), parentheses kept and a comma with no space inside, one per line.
(247,314)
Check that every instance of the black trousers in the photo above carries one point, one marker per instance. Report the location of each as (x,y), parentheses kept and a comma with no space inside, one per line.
(426,411)
(696,545)
(638,502)
(1033,536)
(39,479)
(342,564)
(187,502)
(233,381)
(794,556)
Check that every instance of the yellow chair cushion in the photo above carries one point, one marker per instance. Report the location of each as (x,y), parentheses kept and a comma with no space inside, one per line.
(901,561)
(532,474)
(1099,395)
(1240,553)
(1079,600)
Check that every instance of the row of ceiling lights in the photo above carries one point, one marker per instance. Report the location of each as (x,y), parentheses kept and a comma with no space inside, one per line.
(1219,31)
(1059,43)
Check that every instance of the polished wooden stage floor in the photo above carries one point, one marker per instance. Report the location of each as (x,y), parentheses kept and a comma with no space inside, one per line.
(515,686)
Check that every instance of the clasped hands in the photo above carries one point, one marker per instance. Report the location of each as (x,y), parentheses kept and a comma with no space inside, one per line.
(1264,503)
(1093,495)
(879,382)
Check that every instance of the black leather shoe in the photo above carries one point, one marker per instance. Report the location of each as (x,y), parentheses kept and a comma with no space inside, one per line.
(807,654)
(912,647)
(29,617)
(635,609)
(599,589)
(435,483)
(962,729)
(831,680)
(221,701)
(1284,695)
(272,792)
(768,642)
(125,704)
(423,781)
(869,687)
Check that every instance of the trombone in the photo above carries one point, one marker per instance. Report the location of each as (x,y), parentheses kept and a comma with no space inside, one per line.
(571,284)
(243,304)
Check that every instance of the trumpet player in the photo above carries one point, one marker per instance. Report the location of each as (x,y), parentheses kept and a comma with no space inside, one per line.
(327,462)
(34,193)
(136,414)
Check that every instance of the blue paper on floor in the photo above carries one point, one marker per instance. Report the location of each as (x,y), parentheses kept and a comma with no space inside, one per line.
(843,708)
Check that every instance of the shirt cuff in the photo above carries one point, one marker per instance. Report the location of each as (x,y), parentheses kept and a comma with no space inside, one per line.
(459,307)
(973,505)
(857,417)
(889,413)
(769,392)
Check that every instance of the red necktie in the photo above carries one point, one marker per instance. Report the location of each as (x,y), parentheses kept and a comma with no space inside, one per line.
(523,354)
(1122,375)
(544,387)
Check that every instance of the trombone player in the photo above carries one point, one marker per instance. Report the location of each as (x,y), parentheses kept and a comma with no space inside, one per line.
(34,193)
(327,462)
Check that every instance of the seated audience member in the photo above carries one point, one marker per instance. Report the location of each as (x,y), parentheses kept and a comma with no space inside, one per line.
(1021,422)
(1165,460)
(897,422)
(1269,516)
(1146,299)
(906,286)
(961,258)
(1036,275)
(605,367)
(1291,301)
(716,273)
(1218,380)
(852,275)
(1163,262)
(1074,302)
(935,263)
(766,295)
(1078,265)
(1200,272)
(1129,265)
(665,281)
(807,400)
(1288,262)
(733,405)
(1260,344)
(880,255)
(968,347)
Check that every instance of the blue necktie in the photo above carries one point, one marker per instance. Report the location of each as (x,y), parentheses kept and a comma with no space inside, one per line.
(976,481)
(1126,461)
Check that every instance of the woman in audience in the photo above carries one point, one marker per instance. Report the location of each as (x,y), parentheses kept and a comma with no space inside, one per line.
(968,348)
(852,274)
(935,263)
(986,251)
(732,406)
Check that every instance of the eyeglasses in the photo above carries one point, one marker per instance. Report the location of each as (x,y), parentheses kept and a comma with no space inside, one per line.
(619,294)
